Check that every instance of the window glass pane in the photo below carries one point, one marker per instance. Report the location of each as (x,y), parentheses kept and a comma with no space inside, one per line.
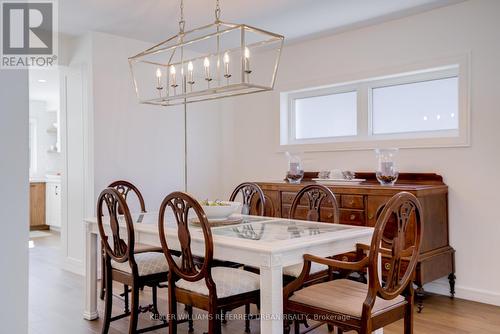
(326,116)
(415,107)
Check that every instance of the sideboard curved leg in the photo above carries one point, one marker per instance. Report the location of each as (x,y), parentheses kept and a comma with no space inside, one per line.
(451,279)
(419,293)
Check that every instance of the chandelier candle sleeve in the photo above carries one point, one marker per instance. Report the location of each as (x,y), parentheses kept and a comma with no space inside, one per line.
(247,60)
(190,73)
(158,77)
(226,65)
(172,76)
(206,64)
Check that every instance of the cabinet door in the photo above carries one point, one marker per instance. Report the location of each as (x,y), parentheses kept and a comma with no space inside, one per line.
(57,205)
(37,205)
(374,205)
(53,214)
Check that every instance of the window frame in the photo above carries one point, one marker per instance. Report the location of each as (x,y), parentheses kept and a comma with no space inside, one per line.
(365,138)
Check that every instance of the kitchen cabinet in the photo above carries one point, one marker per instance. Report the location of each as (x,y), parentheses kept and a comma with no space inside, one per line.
(53,202)
(37,206)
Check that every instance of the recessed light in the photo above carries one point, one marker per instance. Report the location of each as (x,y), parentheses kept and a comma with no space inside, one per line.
(452,115)
(425,118)
(42,80)
(438,117)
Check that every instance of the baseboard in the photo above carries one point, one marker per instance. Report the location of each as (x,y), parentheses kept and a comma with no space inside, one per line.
(442,287)
(73,265)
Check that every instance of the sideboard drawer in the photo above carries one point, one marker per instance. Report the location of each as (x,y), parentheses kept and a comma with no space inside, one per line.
(353,202)
(352,217)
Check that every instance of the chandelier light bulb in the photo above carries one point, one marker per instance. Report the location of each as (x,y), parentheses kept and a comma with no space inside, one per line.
(226,58)
(172,69)
(247,53)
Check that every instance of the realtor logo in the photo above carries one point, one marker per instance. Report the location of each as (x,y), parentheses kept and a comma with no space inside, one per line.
(28,34)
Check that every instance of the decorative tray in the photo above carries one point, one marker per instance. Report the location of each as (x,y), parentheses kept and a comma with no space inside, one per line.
(338,181)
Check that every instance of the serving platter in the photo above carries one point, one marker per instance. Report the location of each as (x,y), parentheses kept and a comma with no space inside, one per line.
(338,181)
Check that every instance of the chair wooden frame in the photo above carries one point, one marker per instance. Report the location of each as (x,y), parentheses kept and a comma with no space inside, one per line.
(316,195)
(402,206)
(123,252)
(181,204)
(124,188)
(248,191)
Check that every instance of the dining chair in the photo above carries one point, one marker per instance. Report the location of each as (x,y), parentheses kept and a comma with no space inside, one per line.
(213,289)
(248,191)
(125,188)
(313,199)
(352,305)
(123,265)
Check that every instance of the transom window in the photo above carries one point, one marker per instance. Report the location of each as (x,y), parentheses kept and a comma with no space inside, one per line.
(415,109)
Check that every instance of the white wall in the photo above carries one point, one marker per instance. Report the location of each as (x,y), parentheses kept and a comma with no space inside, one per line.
(251,123)
(14,200)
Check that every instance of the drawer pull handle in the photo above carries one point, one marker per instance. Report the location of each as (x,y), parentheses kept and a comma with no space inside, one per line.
(352,217)
(351,202)
(387,266)
(370,216)
(330,215)
(345,258)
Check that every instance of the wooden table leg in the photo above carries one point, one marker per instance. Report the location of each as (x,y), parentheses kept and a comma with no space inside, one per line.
(90,311)
(271,300)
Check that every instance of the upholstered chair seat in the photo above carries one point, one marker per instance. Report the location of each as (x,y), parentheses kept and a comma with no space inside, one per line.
(229,282)
(147,264)
(295,270)
(342,296)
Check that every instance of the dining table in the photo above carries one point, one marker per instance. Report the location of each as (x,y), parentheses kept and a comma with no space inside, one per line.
(267,243)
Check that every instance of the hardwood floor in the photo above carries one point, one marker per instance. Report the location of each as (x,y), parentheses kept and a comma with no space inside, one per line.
(56,303)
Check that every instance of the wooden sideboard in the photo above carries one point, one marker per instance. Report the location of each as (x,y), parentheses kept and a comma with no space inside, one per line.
(360,203)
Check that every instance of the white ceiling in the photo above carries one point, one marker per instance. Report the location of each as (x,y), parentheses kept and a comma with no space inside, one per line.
(154,20)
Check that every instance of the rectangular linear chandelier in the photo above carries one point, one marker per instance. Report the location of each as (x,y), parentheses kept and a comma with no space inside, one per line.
(210,62)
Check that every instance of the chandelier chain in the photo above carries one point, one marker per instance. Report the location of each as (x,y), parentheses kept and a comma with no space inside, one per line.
(182,23)
(217,11)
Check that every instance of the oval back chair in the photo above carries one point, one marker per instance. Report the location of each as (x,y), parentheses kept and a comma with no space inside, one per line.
(124,188)
(371,306)
(214,289)
(317,196)
(182,205)
(403,216)
(122,263)
(248,190)
(120,250)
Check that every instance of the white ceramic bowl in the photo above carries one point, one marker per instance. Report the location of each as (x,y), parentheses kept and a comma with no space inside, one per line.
(221,212)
